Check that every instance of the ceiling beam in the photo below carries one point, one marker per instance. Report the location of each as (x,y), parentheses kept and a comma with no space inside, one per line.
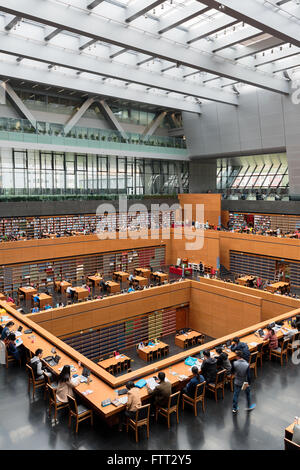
(260,46)
(261,16)
(86,63)
(12,23)
(93,4)
(95,27)
(94,87)
(286,64)
(236,37)
(210,27)
(181,16)
(51,34)
(278,55)
(139,8)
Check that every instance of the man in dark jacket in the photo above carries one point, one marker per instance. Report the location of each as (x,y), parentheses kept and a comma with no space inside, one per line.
(238,345)
(241,371)
(160,395)
(209,367)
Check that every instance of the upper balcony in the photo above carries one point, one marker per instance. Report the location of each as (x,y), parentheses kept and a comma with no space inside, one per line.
(89,140)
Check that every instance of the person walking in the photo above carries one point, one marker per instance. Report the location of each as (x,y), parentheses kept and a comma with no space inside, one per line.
(241,369)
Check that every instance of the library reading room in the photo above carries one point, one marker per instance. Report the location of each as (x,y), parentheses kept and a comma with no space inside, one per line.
(149,227)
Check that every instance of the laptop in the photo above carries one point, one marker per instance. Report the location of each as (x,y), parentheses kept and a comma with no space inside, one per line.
(86,372)
(122,391)
(20,328)
(52,360)
(261,332)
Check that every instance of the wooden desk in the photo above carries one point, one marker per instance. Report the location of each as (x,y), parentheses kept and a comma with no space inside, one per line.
(80,293)
(181,339)
(141,281)
(95,280)
(160,276)
(121,276)
(113,362)
(2,297)
(278,286)
(44,299)
(245,281)
(62,285)
(143,272)
(27,291)
(144,353)
(113,286)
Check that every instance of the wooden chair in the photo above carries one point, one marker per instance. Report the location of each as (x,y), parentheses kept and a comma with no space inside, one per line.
(198,397)
(281,351)
(292,348)
(141,419)
(165,351)
(118,368)
(32,380)
(219,383)
(186,344)
(111,370)
(229,380)
(158,353)
(150,356)
(260,353)
(48,382)
(290,445)
(173,404)
(54,402)
(253,362)
(200,339)
(79,412)
(10,358)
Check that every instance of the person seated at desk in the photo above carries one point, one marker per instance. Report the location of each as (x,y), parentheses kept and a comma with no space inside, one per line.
(238,345)
(36,365)
(222,360)
(209,367)
(10,344)
(71,291)
(36,299)
(133,404)
(116,353)
(131,288)
(131,278)
(141,345)
(197,379)
(160,395)
(7,330)
(97,274)
(103,286)
(10,299)
(85,286)
(47,307)
(35,310)
(296,322)
(271,336)
(65,385)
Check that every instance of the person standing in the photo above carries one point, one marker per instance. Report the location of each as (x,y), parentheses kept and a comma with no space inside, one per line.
(241,369)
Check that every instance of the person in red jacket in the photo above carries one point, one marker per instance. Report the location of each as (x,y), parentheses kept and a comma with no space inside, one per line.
(271,336)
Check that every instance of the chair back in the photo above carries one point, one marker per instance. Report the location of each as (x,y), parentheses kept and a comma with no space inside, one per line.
(52,392)
(259,347)
(284,344)
(200,390)
(174,400)
(253,357)
(221,376)
(142,413)
(30,372)
(72,404)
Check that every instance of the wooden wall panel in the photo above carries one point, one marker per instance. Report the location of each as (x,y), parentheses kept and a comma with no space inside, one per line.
(211,202)
(272,304)
(85,315)
(208,254)
(216,311)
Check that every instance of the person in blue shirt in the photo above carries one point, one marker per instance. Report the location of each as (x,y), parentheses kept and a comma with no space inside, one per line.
(131,289)
(35,310)
(190,388)
(47,307)
(36,299)
(6,330)
(238,345)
